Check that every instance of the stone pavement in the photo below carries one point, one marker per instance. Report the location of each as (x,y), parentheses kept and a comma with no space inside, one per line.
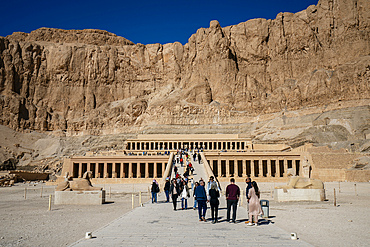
(159,225)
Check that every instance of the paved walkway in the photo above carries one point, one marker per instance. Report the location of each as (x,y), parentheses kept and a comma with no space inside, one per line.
(159,225)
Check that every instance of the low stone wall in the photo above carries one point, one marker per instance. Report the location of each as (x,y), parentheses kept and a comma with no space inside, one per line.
(358,175)
(80,197)
(329,175)
(282,195)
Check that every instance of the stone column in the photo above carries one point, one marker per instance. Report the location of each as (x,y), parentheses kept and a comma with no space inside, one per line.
(114,174)
(285,167)
(130,175)
(155,170)
(269,168)
(219,170)
(260,167)
(227,168)
(88,166)
(277,168)
(97,170)
(105,172)
(80,170)
(122,170)
(236,168)
(146,170)
(245,168)
(138,170)
(252,169)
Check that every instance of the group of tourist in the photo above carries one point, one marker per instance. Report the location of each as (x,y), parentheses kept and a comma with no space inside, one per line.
(232,197)
(178,187)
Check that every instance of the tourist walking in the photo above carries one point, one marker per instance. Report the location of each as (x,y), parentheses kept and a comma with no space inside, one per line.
(254,204)
(154,190)
(191,168)
(214,194)
(248,181)
(195,199)
(174,191)
(232,197)
(167,187)
(201,197)
(184,195)
(210,182)
(199,158)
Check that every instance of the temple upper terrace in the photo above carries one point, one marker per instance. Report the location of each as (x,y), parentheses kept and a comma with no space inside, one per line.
(206,142)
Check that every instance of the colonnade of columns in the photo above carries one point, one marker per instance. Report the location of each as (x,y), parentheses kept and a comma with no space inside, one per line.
(175,145)
(255,167)
(120,170)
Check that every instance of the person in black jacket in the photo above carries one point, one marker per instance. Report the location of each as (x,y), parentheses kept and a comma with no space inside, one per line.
(214,194)
(155,190)
(175,192)
(167,187)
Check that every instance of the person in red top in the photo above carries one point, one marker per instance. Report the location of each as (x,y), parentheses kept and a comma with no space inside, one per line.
(232,198)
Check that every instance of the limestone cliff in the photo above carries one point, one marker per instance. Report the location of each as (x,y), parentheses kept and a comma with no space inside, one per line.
(94,82)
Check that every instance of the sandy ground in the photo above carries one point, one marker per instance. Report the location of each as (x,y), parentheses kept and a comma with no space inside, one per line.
(29,223)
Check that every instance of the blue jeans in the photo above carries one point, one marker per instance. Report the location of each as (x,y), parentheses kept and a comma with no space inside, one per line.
(154,197)
(182,203)
(202,208)
(167,195)
(195,203)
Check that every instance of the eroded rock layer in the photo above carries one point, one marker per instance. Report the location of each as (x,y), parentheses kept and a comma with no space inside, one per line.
(94,82)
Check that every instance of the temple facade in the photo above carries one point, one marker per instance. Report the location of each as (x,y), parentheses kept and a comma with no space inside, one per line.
(224,156)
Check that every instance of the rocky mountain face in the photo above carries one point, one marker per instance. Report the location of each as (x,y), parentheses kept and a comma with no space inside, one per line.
(92,82)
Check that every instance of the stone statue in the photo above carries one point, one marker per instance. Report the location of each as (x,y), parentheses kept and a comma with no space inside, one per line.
(77,184)
(303,183)
(64,186)
(306,167)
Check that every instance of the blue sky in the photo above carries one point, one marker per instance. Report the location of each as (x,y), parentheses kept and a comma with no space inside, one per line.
(144,21)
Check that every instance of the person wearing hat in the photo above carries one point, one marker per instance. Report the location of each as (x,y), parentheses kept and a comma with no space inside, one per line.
(167,186)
